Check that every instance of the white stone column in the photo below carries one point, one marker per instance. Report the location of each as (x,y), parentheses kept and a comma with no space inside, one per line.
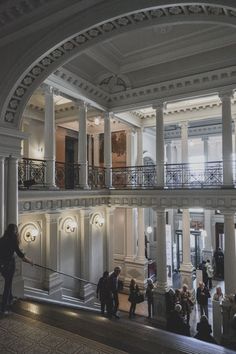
(208,249)
(90,153)
(169,152)
(141,238)
(12,191)
(227,146)
(230,254)
(96,150)
(161,287)
(2,195)
(130,147)
(186,268)
(86,289)
(82,147)
(184,141)
(130,246)
(140,147)
(109,238)
(107,150)
(53,280)
(49,138)
(160,152)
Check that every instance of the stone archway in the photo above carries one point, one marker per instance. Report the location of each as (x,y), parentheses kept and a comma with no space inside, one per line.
(132,17)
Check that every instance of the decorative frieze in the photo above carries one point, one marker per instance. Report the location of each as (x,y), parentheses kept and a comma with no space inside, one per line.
(138,18)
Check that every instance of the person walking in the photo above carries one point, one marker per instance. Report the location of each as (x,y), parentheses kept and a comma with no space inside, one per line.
(9,244)
(203,295)
(149,296)
(210,273)
(102,291)
(113,288)
(133,294)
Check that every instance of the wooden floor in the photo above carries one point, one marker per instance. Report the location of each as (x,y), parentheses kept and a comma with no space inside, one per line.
(136,336)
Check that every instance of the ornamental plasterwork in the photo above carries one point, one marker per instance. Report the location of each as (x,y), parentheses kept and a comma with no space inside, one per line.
(76,43)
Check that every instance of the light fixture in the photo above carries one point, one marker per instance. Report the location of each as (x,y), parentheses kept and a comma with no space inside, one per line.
(70,225)
(30,234)
(149,228)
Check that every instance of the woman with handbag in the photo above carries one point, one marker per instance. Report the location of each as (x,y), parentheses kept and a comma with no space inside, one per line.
(133,295)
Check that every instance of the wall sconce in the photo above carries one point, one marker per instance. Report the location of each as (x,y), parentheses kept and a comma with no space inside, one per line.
(70,225)
(30,234)
(98,220)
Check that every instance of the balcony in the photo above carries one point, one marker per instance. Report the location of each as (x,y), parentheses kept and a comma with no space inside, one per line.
(32,175)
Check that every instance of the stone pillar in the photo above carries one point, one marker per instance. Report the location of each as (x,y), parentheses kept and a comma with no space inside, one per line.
(96,161)
(160,155)
(161,288)
(12,191)
(52,282)
(90,153)
(107,150)
(208,249)
(230,254)
(227,146)
(169,152)
(140,147)
(130,147)
(49,138)
(186,268)
(86,289)
(82,147)
(184,141)
(109,238)
(141,238)
(2,195)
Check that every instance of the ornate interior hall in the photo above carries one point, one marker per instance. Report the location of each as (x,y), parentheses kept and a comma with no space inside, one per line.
(118,149)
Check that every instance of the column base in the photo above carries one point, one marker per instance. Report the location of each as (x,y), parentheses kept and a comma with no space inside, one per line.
(87,292)
(138,270)
(53,284)
(84,186)
(186,271)
(160,315)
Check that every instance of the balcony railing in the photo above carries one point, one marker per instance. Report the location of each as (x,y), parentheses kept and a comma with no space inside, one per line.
(199,175)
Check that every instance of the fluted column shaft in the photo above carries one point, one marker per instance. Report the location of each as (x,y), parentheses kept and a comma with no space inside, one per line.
(107,150)
(227,144)
(49,136)
(141,237)
(161,251)
(82,147)
(140,147)
(230,254)
(12,191)
(186,267)
(160,149)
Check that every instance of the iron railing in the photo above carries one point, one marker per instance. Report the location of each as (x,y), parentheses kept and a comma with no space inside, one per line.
(31,172)
(204,175)
(96,177)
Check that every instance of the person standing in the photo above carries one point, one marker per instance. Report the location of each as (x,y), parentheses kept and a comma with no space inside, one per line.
(9,244)
(203,295)
(186,302)
(102,291)
(113,288)
(149,296)
(210,274)
(204,331)
(133,293)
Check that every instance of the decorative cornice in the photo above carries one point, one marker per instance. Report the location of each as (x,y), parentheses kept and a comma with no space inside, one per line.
(68,48)
(222,199)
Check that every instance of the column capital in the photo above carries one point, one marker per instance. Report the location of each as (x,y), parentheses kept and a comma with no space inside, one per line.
(183,124)
(159,105)
(108,114)
(225,95)
(48,90)
(205,138)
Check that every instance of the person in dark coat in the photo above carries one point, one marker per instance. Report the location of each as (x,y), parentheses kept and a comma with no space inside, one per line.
(176,323)
(204,272)
(9,244)
(102,291)
(149,296)
(186,302)
(113,288)
(203,295)
(204,331)
(133,293)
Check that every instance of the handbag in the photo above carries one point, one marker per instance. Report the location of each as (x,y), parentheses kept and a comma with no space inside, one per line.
(139,298)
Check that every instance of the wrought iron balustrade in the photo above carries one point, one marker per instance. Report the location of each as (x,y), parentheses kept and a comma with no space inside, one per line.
(31,172)
(134,177)
(67,175)
(96,177)
(196,175)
